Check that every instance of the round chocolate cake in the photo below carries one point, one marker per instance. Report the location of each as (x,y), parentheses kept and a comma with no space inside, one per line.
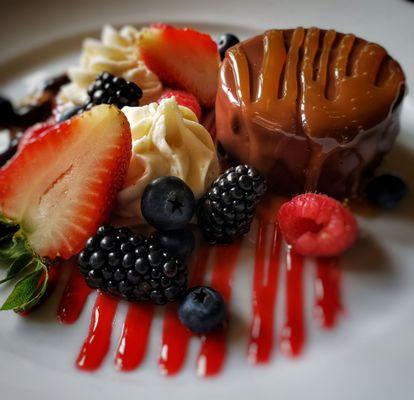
(313,110)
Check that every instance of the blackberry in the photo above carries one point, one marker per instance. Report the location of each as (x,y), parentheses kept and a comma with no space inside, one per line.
(110,89)
(226,210)
(130,266)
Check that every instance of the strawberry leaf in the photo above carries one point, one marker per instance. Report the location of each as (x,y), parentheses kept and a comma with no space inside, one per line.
(25,291)
(18,257)
(16,267)
(42,282)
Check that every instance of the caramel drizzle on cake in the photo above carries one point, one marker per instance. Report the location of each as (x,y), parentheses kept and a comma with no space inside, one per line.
(325,86)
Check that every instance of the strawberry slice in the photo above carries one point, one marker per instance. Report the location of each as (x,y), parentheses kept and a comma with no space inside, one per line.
(58,189)
(32,133)
(182,58)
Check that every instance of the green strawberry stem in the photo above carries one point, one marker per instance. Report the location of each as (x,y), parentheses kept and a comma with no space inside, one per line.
(23,265)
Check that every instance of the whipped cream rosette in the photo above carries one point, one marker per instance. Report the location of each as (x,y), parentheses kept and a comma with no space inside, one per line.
(167,139)
(117,53)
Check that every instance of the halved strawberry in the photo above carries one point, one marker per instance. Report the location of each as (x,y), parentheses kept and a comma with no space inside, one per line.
(182,58)
(32,133)
(59,189)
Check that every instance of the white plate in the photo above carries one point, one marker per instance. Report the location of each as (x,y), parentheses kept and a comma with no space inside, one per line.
(368,356)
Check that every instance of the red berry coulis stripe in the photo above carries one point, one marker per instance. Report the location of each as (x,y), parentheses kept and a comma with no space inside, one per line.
(175,339)
(328,302)
(74,297)
(265,282)
(292,338)
(214,345)
(97,343)
(176,336)
(133,343)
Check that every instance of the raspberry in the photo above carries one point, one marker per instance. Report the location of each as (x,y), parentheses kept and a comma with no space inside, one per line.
(317,225)
(183,99)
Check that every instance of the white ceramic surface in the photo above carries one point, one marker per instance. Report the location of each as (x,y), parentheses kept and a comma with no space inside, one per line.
(370,355)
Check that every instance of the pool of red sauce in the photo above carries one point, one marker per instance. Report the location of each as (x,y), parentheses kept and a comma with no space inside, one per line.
(275,264)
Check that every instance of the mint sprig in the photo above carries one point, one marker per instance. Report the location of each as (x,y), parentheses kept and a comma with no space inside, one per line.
(24,265)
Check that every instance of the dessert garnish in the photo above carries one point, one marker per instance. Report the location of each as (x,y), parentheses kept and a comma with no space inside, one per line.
(107,89)
(56,203)
(168,203)
(227,210)
(116,53)
(132,267)
(182,58)
(167,140)
(316,225)
(202,310)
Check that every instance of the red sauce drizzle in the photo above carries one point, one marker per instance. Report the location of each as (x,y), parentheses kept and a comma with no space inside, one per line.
(132,345)
(265,281)
(328,303)
(213,348)
(293,333)
(97,343)
(74,298)
(175,336)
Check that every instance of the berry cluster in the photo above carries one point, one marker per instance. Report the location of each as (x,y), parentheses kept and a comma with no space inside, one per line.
(227,210)
(110,89)
(107,89)
(128,265)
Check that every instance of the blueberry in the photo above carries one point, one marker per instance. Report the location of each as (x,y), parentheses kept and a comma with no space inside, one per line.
(202,310)
(7,113)
(225,42)
(385,191)
(168,203)
(180,243)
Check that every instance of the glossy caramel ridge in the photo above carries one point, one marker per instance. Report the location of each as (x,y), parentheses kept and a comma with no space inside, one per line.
(313,110)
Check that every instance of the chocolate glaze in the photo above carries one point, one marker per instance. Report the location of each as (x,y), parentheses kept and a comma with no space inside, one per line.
(313,110)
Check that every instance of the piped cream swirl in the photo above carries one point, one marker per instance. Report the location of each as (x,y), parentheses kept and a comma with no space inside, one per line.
(167,140)
(117,53)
